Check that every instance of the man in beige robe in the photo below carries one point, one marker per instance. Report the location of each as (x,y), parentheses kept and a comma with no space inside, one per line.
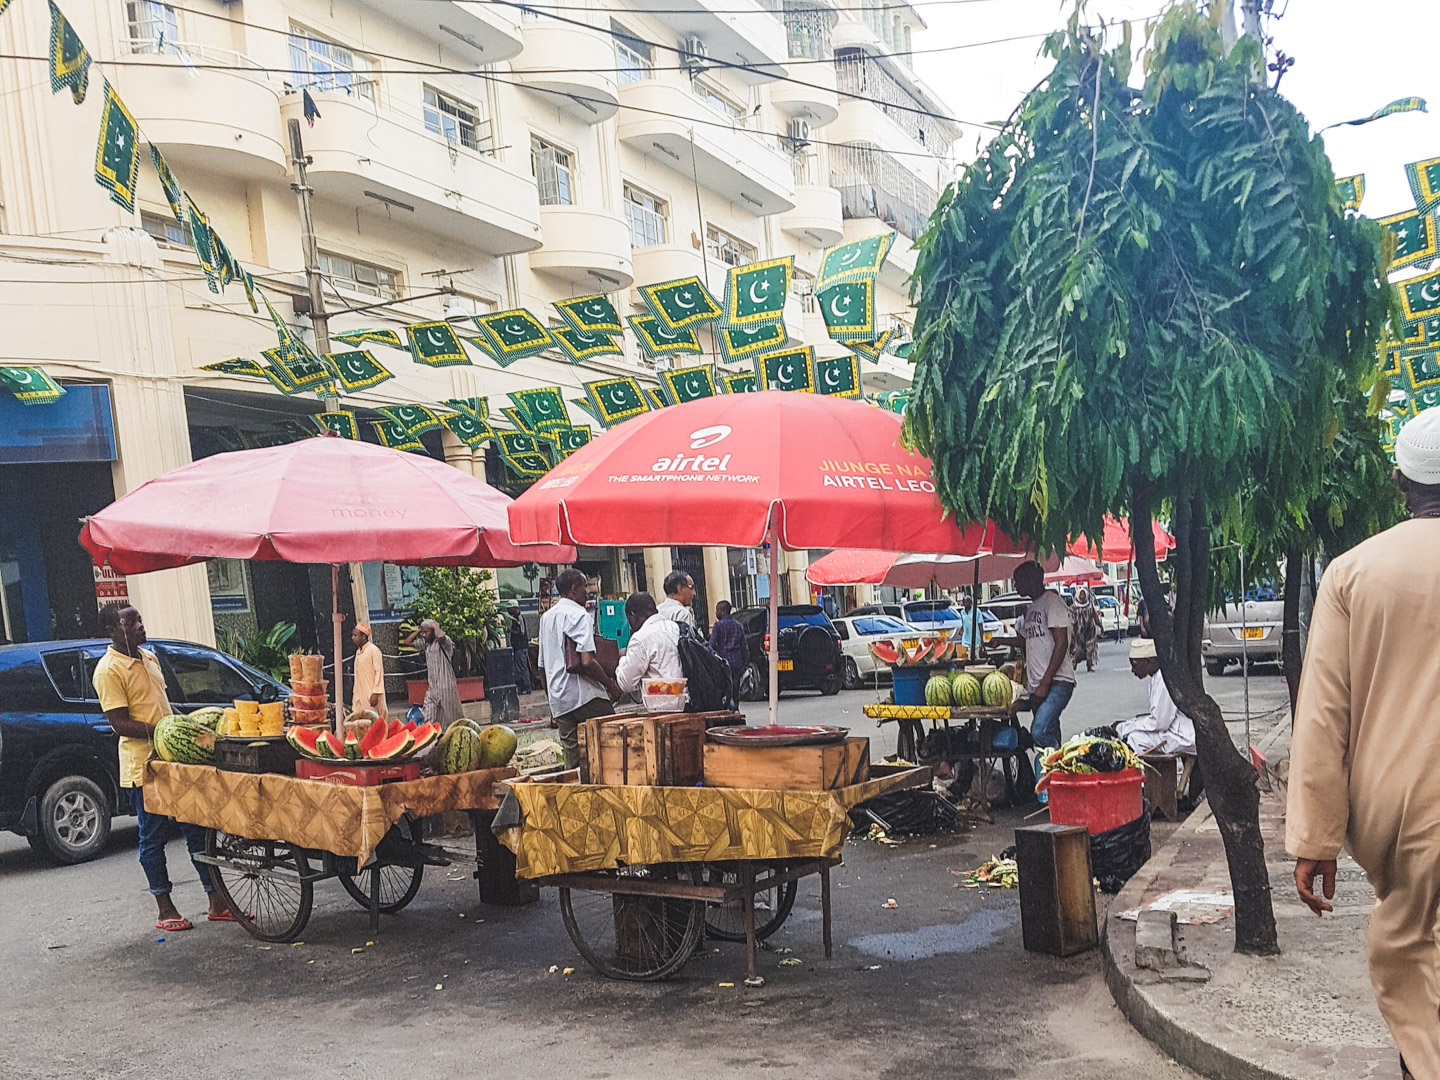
(1366,747)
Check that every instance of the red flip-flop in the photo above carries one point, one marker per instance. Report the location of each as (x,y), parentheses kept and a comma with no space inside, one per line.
(174,926)
(227,917)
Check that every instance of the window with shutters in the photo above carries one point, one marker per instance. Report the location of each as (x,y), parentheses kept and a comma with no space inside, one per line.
(648,216)
(634,60)
(730,250)
(457,121)
(319,64)
(361,277)
(552,168)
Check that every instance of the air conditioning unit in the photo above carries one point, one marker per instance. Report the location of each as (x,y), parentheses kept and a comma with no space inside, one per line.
(663,363)
(693,54)
(798,133)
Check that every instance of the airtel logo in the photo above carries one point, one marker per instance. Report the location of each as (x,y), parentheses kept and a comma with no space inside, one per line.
(708,436)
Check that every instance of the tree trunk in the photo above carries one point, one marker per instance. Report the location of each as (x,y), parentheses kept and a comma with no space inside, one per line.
(1290,653)
(1230,781)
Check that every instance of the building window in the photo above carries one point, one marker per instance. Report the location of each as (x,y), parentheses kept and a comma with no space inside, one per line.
(456,120)
(712,96)
(361,277)
(728,249)
(153,26)
(634,60)
(648,216)
(553,172)
(802,287)
(317,64)
(164,228)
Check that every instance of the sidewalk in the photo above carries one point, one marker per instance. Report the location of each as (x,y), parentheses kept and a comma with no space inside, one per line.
(1308,1013)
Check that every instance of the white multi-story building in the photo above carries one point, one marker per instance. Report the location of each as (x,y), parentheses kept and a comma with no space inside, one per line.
(468,157)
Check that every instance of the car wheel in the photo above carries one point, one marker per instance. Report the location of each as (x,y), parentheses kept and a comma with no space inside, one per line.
(752,684)
(74,821)
(1215,667)
(852,675)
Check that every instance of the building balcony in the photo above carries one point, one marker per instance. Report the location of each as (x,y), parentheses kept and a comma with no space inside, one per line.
(223,122)
(893,91)
(742,166)
(378,161)
(568,66)
(666,262)
(587,248)
(812,96)
(816,219)
(480,31)
(733,31)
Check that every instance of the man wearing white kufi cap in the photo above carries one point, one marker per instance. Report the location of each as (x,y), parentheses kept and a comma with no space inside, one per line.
(1367,743)
(1164,729)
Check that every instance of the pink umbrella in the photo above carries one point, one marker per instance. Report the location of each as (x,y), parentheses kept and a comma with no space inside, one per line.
(849,566)
(1075,571)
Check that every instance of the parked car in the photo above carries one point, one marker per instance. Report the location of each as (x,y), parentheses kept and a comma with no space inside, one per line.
(1112,619)
(1230,637)
(1007,607)
(808,651)
(895,611)
(59,760)
(857,634)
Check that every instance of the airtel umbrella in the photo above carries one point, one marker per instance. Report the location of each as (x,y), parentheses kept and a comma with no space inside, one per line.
(1116,545)
(320,500)
(801,470)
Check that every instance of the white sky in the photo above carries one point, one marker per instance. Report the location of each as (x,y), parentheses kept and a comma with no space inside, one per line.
(1350,59)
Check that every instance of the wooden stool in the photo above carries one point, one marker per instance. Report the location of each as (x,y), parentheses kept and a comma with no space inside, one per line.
(1161,784)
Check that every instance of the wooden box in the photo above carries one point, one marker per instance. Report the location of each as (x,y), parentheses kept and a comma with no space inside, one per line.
(1057,891)
(788,768)
(664,750)
(256,755)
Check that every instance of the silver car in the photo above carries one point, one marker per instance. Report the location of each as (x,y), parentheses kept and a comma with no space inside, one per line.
(1231,636)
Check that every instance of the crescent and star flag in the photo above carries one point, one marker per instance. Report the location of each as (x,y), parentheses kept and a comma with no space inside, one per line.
(680,304)
(614,400)
(524,454)
(516,416)
(1420,296)
(358,370)
(1415,240)
(1424,177)
(848,308)
(168,184)
(436,344)
(743,383)
(240,365)
(1351,190)
(687,384)
(1419,370)
(468,429)
(117,153)
(396,436)
(483,344)
(69,59)
(379,337)
(755,294)
(656,340)
(225,263)
(415,419)
(30,385)
(790,369)
(857,260)
(873,350)
(838,376)
(203,241)
(514,335)
(341,422)
(578,345)
(585,407)
(1399,105)
(1391,366)
(477,407)
(570,439)
(743,342)
(301,370)
(590,314)
(543,407)
(896,401)
(655,397)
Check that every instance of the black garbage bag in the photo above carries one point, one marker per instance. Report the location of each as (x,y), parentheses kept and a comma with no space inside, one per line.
(1104,757)
(905,813)
(1116,856)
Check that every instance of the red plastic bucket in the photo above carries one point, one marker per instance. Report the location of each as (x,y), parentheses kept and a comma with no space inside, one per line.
(1099,801)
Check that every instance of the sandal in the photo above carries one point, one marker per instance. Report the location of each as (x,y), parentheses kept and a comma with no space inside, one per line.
(174,926)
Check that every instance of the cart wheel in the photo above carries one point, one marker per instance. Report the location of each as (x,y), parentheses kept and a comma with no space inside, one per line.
(265,884)
(398,884)
(643,938)
(772,906)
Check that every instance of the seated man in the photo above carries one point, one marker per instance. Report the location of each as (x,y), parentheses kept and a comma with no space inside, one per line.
(654,650)
(1164,729)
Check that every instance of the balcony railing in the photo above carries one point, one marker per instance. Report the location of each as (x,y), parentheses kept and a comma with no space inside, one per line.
(807,30)
(872,184)
(856,73)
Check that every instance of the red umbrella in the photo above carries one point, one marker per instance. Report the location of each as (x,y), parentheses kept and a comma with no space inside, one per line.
(1115,547)
(849,566)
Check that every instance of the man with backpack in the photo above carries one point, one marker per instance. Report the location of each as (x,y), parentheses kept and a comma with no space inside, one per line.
(654,649)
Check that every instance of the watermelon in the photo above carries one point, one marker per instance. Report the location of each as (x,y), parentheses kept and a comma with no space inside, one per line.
(396,727)
(331,746)
(937,690)
(187,741)
(460,750)
(352,747)
(497,746)
(996,690)
(425,734)
(465,721)
(305,740)
(885,652)
(211,716)
(374,735)
(965,689)
(394,746)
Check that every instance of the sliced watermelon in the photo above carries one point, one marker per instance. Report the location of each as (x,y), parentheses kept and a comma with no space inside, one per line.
(393,747)
(352,747)
(331,745)
(424,735)
(306,740)
(411,727)
(374,736)
(885,652)
(396,727)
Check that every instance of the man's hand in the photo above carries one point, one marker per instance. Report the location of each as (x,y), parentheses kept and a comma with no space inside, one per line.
(1041,690)
(1306,871)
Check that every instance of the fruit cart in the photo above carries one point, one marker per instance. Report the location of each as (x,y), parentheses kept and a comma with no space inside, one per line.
(981,736)
(645,872)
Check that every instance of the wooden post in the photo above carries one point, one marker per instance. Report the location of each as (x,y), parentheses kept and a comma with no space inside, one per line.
(825,907)
(1057,892)
(747,900)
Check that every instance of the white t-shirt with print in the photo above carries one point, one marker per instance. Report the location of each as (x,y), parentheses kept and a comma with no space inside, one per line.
(1046,613)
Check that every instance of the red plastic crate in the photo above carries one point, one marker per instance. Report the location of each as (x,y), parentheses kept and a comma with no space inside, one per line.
(357,773)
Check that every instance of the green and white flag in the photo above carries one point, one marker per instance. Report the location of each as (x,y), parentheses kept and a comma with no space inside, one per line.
(756,294)
(524,454)
(517,416)
(570,439)
(362,337)
(168,184)
(69,59)
(856,260)
(680,304)
(1424,332)
(483,344)
(435,344)
(1424,399)
(744,342)
(838,377)
(358,370)
(240,365)
(278,376)
(514,335)
(1424,177)
(341,422)
(226,264)
(789,369)
(117,153)
(743,383)
(30,385)
(655,397)
(302,370)
(586,407)
(688,384)
(1400,105)
(543,407)
(1420,370)
(590,314)
(578,345)
(657,340)
(614,400)
(396,436)
(1415,239)
(1351,190)
(203,241)
(468,429)
(848,308)
(896,401)
(1391,365)
(416,419)
(1420,296)
(873,350)
(477,407)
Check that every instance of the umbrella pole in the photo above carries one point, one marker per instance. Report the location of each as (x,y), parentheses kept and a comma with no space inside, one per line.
(338,619)
(774,627)
(975,617)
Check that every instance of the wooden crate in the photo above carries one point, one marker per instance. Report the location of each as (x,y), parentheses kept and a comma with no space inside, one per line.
(255,756)
(788,768)
(663,750)
(1057,894)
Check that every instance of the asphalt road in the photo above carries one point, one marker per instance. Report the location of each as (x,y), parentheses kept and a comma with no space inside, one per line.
(450,987)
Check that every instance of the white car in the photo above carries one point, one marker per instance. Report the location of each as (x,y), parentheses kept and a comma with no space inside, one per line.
(857,632)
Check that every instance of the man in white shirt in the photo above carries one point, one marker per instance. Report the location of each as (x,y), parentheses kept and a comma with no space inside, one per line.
(679,596)
(1164,729)
(577,686)
(654,650)
(1044,634)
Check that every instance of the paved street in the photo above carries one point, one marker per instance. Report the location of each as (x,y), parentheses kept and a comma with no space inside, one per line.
(940,985)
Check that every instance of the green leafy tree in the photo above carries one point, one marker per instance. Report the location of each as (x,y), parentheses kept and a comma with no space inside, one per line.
(457,597)
(1130,296)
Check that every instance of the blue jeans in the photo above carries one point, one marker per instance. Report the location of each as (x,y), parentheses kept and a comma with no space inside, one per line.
(152,846)
(1045,728)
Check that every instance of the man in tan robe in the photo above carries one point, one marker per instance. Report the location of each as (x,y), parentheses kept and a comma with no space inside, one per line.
(1366,747)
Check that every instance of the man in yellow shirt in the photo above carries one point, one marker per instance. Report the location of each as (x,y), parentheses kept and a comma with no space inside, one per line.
(369,673)
(131,688)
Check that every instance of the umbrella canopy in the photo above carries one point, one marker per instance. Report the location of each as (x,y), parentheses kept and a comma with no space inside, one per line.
(1115,546)
(1075,571)
(913,571)
(320,500)
(832,472)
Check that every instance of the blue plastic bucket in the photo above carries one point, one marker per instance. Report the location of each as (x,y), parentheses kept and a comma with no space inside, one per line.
(910,684)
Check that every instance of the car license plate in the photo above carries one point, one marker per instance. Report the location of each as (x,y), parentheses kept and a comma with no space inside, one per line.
(1253,632)
(785,665)
(909,642)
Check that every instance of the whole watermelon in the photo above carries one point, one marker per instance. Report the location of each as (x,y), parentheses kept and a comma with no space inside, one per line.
(211,716)
(965,689)
(497,746)
(180,739)
(459,751)
(937,690)
(996,690)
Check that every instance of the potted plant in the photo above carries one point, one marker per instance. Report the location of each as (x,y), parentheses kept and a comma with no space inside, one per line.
(457,598)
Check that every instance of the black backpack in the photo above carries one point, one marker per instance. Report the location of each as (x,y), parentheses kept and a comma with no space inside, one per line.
(706,672)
